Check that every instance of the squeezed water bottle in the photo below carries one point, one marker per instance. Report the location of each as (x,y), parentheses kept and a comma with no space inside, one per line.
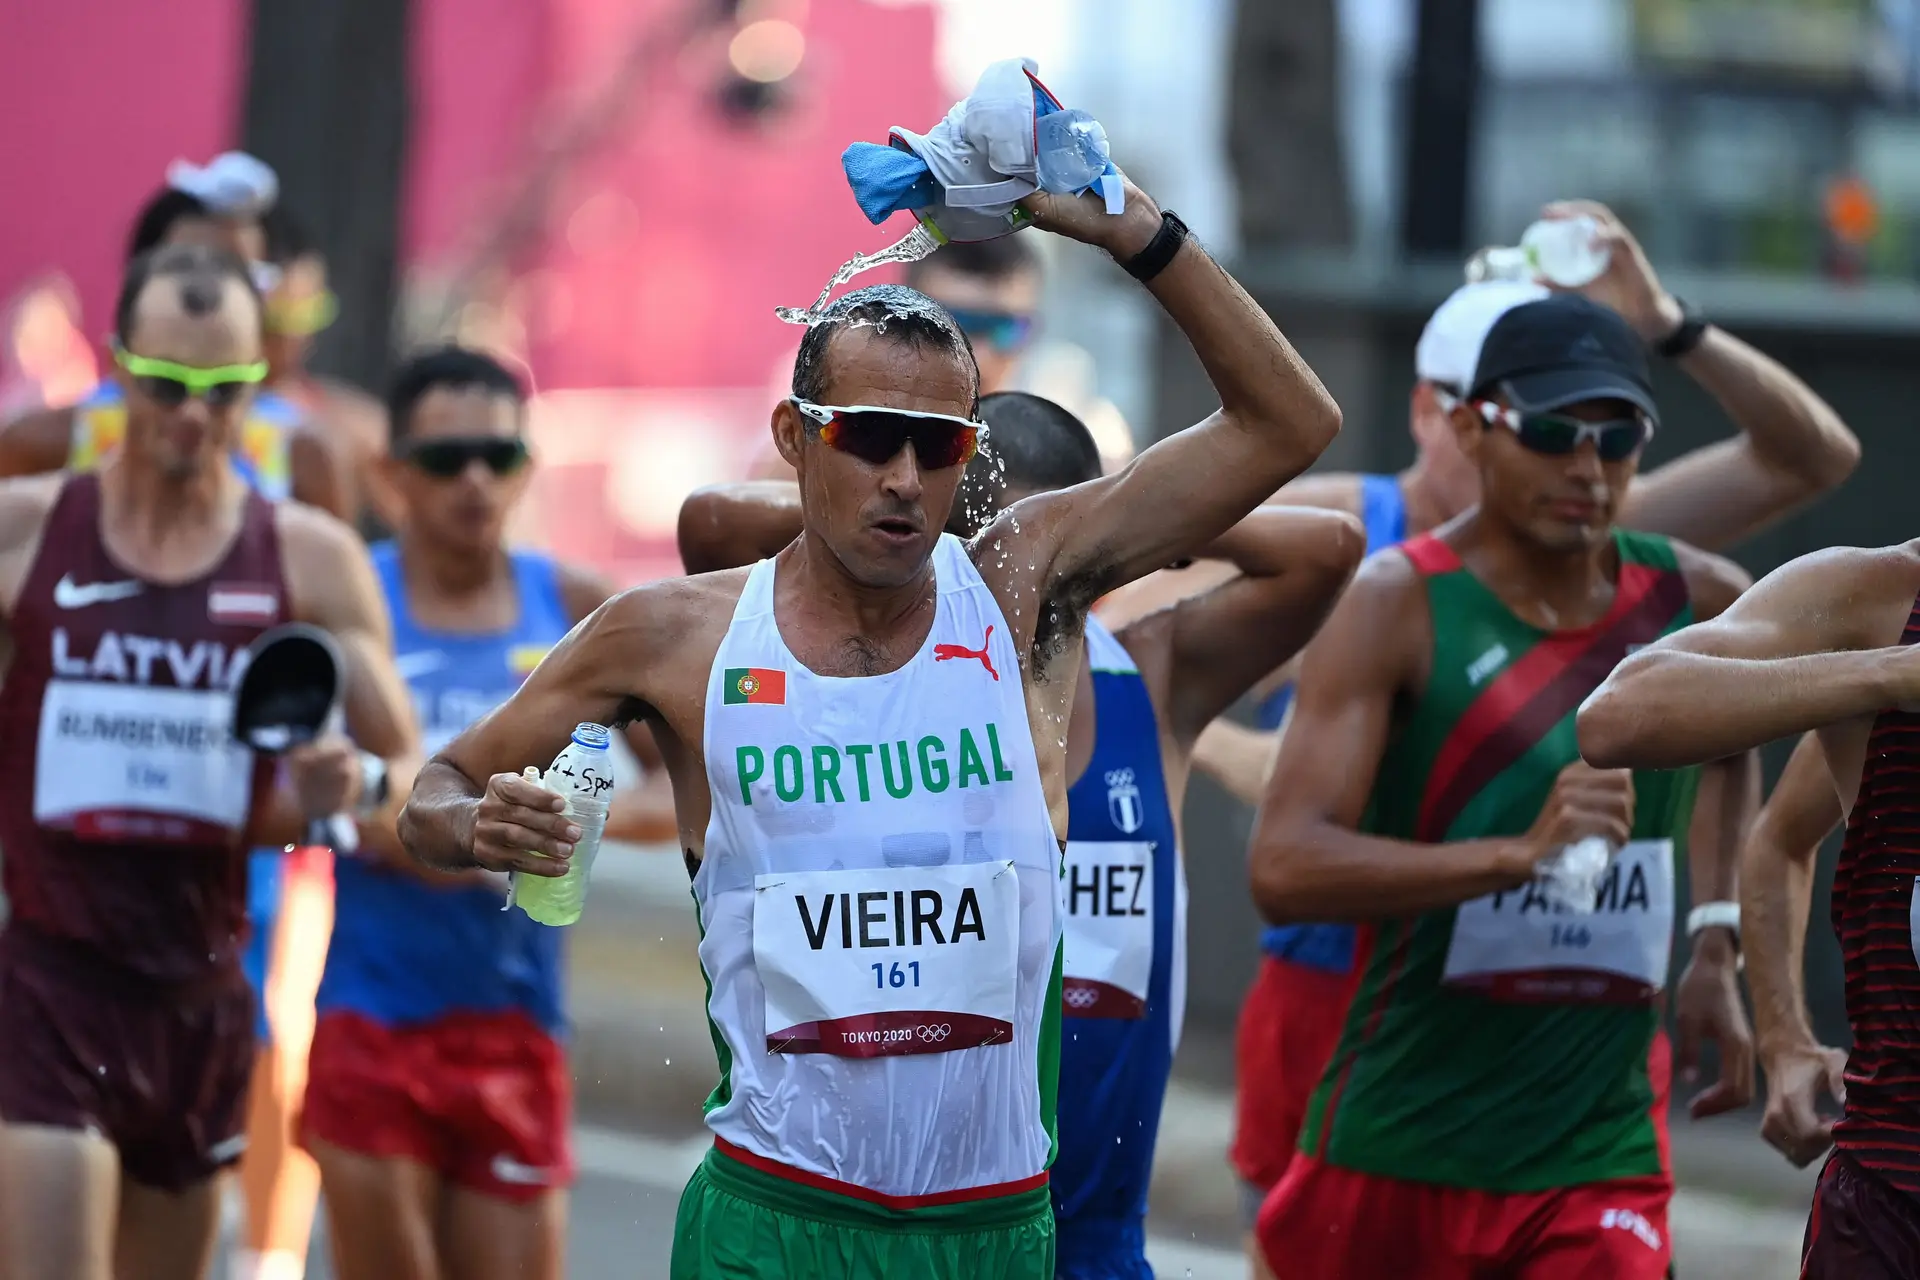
(1571,877)
(1559,251)
(583,774)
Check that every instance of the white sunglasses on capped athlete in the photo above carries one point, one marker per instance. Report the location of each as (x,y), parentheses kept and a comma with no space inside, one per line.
(873,434)
(1557,434)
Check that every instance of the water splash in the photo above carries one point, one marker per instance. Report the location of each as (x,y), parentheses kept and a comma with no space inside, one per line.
(912,247)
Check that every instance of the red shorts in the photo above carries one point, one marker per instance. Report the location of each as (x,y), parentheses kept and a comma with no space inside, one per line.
(1861,1228)
(1327,1221)
(482,1099)
(1289,1027)
(158,1069)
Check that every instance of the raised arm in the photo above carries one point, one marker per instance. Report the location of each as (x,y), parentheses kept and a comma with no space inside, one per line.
(1815,643)
(1792,446)
(723,526)
(1776,895)
(1293,563)
(1274,419)
(1308,860)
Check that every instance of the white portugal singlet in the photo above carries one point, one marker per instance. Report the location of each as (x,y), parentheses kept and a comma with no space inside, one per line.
(880,905)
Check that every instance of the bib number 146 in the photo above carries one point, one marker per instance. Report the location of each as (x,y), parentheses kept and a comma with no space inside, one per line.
(896,975)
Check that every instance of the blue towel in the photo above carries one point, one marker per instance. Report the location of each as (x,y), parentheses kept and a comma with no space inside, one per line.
(888,178)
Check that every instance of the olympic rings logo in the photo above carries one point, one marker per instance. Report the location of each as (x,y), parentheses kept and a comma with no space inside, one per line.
(932,1034)
(1081,997)
(1119,777)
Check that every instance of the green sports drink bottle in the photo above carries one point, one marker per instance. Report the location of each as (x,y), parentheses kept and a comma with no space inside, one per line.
(583,773)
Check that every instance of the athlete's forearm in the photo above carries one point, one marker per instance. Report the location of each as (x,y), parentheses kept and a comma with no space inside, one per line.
(1666,708)
(1777,870)
(1328,873)
(724,526)
(1274,540)
(1238,758)
(1268,394)
(1724,807)
(1776,895)
(1789,428)
(436,826)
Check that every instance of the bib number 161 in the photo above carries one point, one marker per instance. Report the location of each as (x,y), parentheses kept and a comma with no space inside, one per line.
(896,974)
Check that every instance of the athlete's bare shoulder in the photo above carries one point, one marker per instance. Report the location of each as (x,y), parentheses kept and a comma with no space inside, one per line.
(1713,581)
(1334,490)
(1382,622)
(582,590)
(315,535)
(36,442)
(25,504)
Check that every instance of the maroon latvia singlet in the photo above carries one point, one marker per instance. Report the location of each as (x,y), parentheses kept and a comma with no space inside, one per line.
(1877,916)
(123,827)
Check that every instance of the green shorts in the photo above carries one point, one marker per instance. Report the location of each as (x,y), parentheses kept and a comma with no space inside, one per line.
(739,1223)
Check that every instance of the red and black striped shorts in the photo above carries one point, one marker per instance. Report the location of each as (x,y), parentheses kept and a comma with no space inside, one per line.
(1861,1227)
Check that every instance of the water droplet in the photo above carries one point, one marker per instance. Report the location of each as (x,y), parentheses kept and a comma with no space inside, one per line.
(669,1061)
(912,247)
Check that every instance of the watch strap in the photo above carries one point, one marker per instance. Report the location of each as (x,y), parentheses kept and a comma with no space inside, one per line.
(1686,335)
(1152,260)
(1714,915)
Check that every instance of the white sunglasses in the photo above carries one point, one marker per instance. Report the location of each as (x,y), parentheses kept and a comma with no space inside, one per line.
(875,434)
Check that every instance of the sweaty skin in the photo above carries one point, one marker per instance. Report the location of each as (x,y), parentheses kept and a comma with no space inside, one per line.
(1776,896)
(855,595)
(1282,569)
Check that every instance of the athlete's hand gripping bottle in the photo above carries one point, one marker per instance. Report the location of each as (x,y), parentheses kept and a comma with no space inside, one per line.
(583,774)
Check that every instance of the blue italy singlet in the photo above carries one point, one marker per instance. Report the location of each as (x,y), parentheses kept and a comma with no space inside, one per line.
(406,952)
(1125,977)
(1330,946)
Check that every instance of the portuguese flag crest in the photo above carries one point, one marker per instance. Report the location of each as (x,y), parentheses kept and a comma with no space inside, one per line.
(760,685)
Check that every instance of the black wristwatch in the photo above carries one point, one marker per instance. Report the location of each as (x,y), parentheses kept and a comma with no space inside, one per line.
(1686,335)
(1152,260)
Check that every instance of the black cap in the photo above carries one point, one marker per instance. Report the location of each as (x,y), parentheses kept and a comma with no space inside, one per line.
(1562,350)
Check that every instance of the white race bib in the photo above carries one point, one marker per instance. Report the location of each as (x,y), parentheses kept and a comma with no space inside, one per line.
(890,960)
(134,762)
(1515,946)
(1109,943)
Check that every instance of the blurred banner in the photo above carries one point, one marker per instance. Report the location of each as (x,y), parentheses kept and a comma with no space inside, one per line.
(1842,42)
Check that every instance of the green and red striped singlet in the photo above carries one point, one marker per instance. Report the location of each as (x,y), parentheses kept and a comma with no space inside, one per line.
(1499,1045)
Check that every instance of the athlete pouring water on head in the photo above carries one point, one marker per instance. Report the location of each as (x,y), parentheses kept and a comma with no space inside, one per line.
(1144,693)
(130,595)
(876,834)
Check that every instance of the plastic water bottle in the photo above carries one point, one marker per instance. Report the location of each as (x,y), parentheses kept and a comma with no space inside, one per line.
(583,774)
(1559,251)
(1571,877)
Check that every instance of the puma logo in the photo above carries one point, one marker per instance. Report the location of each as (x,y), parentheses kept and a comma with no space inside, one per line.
(941,652)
